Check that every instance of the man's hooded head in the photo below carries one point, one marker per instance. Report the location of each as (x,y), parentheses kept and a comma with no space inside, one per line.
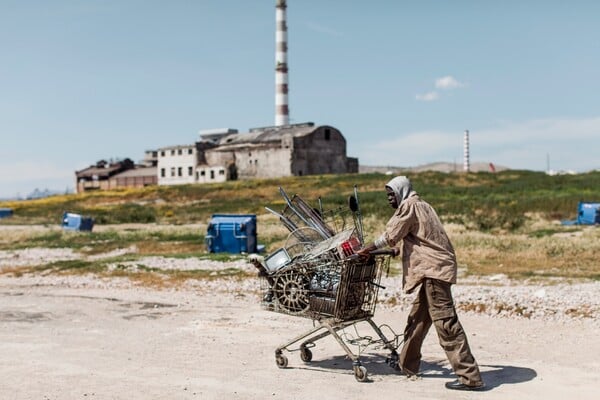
(401,188)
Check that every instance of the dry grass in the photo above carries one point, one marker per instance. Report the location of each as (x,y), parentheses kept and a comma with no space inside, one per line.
(540,249)
(573,255)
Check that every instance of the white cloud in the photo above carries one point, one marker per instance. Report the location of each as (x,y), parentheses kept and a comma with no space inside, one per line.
(429,96)
(447,82)
(443,83)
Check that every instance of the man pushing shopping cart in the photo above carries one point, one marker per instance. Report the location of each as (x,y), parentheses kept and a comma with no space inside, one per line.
(326,273)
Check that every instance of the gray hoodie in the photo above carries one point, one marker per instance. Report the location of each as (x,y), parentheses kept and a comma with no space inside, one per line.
(402,188)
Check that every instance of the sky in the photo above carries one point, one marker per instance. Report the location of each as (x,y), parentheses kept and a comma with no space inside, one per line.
(85,80)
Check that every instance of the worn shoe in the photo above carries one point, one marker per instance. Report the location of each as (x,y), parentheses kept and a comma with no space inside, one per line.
(457,385)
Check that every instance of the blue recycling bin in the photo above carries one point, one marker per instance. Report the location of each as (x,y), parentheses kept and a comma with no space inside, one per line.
(76,222)
(6,212)
(232,233)
(588,213)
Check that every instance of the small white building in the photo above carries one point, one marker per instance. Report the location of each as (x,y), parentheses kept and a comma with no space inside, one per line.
(182,164)
(177,165)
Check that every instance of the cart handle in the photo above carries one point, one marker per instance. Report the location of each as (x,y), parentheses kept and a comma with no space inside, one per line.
(382,252)
(377,284)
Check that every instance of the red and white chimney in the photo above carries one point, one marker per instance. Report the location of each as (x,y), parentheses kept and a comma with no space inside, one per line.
(281,69)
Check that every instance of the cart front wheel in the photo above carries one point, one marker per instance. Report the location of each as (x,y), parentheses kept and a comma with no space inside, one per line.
(360,373)
(393,361)
(281,360)
(305,354)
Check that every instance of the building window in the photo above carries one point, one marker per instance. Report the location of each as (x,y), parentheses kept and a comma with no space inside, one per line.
(179,171)
(190,171)
(173,152)
(327,134)
(162,153)
(212,174)
(163,173)
(203,172)
(221,172)
(189,151)
(179,152)
(172,171)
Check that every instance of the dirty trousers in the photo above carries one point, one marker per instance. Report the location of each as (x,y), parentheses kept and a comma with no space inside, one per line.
(434,304)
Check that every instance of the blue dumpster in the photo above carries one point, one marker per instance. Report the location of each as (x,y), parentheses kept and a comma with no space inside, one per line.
(588,213)
(6,212)
(232,233)
(76,222)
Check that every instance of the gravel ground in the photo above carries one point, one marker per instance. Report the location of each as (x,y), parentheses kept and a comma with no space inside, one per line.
(496,296)
(86,337)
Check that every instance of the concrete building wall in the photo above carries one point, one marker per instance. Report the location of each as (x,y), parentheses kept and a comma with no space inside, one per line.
(321,152)
(270,161)
(95,184)
(134,181)
(352,165)
(211,174)
(177,165)
(267,160)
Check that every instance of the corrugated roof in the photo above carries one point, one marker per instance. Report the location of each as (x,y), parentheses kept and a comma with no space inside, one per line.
(140,171)
(268,134)
(97,171)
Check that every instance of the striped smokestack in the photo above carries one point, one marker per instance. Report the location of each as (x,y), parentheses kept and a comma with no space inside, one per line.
(466,163)
(281,69)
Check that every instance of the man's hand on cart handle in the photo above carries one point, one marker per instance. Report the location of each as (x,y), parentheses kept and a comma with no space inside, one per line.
(392,251)
(366,251)
(372,250)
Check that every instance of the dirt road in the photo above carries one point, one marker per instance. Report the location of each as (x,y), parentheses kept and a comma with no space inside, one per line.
(60,342)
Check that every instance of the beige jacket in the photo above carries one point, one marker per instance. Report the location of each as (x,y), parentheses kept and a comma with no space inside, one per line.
(427,251)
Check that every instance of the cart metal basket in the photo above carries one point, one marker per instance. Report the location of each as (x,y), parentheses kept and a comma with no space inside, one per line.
(318,275)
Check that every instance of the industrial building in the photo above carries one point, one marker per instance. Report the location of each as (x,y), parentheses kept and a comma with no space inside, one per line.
(268,152)
(224,154)
(105,175)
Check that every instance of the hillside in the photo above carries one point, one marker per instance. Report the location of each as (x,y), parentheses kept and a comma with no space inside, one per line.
(436,167)
(480,200)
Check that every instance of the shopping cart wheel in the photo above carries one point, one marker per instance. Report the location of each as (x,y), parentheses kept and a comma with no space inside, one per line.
(281,360)
(360,373)
(394,361)
(305,354)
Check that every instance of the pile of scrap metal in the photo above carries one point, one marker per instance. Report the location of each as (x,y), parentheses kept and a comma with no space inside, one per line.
(307,269)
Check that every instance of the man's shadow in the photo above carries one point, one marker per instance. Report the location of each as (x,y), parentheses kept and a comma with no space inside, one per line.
(493,375)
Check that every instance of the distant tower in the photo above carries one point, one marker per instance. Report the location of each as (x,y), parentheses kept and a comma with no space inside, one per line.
(281,68)
(466,164)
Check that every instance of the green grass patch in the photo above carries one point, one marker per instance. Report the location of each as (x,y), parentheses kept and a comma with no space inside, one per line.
(507,220)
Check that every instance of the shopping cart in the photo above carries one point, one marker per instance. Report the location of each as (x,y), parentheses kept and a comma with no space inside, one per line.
(318,275)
